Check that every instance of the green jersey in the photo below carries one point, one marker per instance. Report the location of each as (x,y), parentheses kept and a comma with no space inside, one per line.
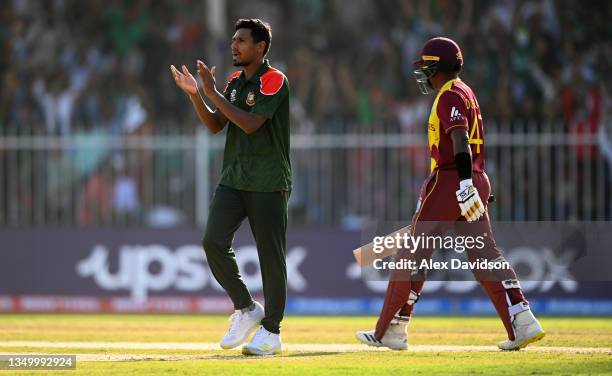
(258,161)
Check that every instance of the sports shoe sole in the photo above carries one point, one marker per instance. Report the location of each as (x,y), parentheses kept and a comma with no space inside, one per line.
(247,351)
(533,339)
(538,336)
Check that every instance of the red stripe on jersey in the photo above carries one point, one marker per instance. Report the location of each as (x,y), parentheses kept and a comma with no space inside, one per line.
(234,75)
(271,81)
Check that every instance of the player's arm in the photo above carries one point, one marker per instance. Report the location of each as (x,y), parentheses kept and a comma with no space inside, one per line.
(249,122)
(467,195)
(452,113)
(215,121)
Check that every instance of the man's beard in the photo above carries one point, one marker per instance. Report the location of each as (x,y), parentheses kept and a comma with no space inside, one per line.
(238,63)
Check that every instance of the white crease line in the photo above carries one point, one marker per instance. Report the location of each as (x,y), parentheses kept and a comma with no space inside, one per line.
(300,347)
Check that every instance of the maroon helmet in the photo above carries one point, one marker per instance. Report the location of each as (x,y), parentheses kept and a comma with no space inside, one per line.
(438,55)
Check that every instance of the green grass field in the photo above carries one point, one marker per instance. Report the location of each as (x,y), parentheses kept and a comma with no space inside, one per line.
(185,344)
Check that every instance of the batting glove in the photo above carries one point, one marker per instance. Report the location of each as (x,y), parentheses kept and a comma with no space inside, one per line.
(469,201)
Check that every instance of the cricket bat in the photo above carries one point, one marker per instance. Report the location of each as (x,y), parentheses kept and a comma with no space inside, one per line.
(365,254)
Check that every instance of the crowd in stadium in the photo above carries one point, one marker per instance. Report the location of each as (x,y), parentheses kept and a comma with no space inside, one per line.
(350,67)
(100,67)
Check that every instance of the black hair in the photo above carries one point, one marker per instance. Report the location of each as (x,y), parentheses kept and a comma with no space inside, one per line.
(260,30)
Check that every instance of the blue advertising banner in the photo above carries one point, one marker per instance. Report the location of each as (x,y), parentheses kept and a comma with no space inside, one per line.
(166,270)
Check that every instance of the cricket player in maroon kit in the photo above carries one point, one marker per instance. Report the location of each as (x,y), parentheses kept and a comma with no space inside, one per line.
(455,195)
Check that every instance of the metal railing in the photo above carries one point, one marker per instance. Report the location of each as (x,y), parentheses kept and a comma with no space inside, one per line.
(339,180)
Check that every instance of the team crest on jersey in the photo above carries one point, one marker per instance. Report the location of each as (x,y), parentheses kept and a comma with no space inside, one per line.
(233,96)
(250,99)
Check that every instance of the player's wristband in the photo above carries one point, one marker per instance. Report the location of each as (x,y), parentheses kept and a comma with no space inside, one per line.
(463,162)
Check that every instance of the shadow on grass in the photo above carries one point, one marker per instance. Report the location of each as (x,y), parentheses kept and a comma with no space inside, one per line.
(254,357)
(313,353)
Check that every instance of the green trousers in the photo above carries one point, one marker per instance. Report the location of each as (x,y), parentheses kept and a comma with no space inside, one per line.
(267,214)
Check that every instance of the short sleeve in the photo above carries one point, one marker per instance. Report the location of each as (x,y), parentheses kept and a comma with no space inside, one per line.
(452,112)
(228,84)
(274,89)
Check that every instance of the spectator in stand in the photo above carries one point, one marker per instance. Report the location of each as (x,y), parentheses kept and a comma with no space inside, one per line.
(97,69)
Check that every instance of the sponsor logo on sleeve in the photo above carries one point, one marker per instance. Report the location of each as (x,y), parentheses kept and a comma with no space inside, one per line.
(455,114)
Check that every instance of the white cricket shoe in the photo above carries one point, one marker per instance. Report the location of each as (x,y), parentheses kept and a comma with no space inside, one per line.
(243,324)
(527,330)
(263,343)
(395,338)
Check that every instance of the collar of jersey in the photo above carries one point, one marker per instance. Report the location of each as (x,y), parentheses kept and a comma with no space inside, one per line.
(447,86)
(261,70)
(449,83)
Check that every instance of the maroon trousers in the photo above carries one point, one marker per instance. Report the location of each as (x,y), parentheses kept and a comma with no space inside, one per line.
(437,213)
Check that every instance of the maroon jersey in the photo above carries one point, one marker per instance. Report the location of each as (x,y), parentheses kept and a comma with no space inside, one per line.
(455,107)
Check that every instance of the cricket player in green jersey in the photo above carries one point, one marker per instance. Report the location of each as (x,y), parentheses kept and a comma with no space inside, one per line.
(255,181)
